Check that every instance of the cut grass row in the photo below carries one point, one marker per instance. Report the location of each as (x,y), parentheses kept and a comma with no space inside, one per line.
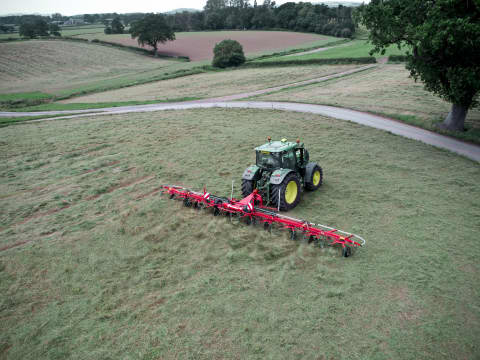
(80,68)
(106,267)
(213,84)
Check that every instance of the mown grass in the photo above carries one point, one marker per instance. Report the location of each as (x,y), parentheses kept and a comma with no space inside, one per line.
(78,68)
(211,84)
(105,267)
(385,90)
(354,49)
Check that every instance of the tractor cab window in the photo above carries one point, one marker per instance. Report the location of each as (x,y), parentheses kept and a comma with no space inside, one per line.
(288,160)
(269,160)
(302,156)
(299,156)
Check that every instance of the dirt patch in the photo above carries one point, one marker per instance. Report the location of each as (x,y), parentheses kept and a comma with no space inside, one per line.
(199,46)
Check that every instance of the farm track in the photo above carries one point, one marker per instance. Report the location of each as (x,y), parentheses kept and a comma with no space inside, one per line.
(468,150)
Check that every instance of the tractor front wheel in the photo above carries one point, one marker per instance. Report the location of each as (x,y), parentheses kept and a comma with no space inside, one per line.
(247,187)
(287,193)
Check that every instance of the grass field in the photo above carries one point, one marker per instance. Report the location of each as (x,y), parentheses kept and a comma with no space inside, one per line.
(214,84)
(77,67)
(199,46)
(356,48)
(82,30)
(67,31)
(384,90)
(96,264)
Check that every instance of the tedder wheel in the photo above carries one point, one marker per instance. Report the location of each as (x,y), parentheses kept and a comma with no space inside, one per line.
(289,191)
(346,251)
(315,180)
(247,187)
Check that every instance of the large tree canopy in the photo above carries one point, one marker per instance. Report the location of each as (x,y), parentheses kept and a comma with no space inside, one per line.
(444,41)
(151,30)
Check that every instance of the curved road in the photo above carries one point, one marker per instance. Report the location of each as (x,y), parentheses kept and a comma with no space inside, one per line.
(470,151)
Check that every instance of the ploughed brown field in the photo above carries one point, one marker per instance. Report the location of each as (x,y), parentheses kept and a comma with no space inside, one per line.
(199,45)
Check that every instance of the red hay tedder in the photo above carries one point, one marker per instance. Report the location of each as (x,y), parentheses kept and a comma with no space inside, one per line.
(252,210)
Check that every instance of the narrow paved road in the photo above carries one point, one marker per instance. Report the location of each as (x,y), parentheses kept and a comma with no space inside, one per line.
(470,151)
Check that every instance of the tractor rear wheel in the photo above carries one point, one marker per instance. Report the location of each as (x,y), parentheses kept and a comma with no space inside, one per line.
(315,179)
(247,187)
(289,192)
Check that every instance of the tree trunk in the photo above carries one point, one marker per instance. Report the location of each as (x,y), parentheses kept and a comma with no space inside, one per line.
(155,52)
(456,118)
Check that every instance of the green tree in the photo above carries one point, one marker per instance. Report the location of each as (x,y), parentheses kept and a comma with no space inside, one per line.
(54,29)
(151,30)
(443,36)
(228,53)
(32,29)
(117,26)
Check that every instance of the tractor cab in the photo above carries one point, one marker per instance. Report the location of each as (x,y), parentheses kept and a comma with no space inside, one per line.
(281,154)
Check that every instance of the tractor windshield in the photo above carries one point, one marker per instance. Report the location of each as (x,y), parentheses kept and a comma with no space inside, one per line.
(269,160)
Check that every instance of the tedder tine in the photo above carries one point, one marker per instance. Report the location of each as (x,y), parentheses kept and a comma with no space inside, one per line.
(246,208)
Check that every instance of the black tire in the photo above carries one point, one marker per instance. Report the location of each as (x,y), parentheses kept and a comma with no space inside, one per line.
(347,251)
(311,183)
(284,204)
(247,187)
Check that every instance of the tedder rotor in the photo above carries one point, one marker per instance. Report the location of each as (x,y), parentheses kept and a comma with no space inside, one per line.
(251,208)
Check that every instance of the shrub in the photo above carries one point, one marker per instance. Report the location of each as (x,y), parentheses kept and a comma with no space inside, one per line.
(228,53)
(397,58)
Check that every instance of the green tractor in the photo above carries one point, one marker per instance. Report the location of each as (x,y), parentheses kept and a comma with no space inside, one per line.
(282,169)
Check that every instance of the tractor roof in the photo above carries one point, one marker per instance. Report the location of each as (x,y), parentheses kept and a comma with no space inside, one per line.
(277,146)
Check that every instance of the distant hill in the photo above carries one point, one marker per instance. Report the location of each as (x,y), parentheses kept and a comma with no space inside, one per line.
(181,10)
(337,3)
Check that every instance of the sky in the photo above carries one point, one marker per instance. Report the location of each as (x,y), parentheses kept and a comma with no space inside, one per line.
(66,7)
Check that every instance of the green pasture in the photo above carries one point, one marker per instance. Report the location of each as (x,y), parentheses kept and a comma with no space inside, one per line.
(95,263)
(82,30)
(354,49)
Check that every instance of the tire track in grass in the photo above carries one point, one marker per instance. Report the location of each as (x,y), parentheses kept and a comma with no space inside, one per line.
(40,188)
(121,185)
(59,209)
